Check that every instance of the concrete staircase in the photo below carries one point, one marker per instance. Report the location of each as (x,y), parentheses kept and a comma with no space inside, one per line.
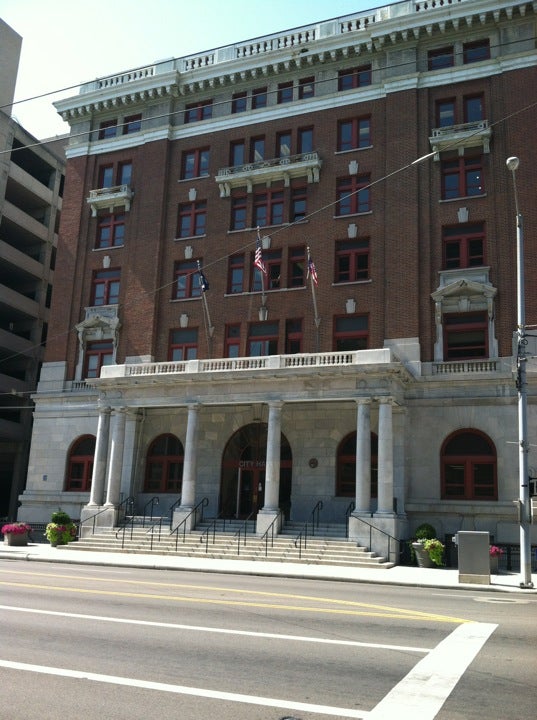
(221,540)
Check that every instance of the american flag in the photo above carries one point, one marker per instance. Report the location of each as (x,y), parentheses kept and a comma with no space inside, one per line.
(312,270)
(204,283)
(258,258)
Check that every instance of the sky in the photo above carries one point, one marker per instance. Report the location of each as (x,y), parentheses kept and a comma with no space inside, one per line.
(66,43)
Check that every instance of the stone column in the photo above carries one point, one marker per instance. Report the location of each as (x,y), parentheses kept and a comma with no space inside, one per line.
(272,470)
(99,460)
(115,465)
(188,492)
(363,457)
(385,457)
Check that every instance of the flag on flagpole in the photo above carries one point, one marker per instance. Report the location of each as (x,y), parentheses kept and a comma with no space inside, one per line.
(312,270)
(204,283)
(258,259)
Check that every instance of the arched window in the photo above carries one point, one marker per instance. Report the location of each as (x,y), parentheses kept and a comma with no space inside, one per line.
(80,464)
(164,467)
(468,463)
(346,466)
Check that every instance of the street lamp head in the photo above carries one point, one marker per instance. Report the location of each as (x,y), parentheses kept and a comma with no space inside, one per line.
(512,163)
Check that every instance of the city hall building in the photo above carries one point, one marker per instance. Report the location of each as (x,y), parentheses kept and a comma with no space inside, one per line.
(286,274)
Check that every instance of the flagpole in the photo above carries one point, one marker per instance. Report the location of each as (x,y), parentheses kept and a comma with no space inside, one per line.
(261,272)
(314,298)
(209,329)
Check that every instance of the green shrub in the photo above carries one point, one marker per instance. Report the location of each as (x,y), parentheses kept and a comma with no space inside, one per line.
(60,518)
(425,532)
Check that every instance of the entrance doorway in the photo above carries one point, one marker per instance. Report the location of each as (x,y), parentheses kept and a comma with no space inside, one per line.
(242,488)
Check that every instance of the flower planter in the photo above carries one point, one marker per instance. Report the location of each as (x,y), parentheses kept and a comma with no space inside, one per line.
(422,556)
(16,538)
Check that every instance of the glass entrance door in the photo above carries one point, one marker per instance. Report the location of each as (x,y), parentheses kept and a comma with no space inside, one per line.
(250,491)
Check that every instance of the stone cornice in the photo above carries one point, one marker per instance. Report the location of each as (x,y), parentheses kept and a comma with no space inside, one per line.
(350,36)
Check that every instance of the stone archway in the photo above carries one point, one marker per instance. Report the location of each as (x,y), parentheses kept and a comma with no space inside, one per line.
(242,484)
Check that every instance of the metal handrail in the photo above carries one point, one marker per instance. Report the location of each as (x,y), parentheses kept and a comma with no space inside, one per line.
(383,532)
(172,508)
(350,508)
(128,501)
(243,530)
(315,513)
(154,501)
(202,504)
(270,529)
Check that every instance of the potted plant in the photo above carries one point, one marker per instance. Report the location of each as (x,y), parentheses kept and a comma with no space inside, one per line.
(16,533)
(61,529)
(495,554)
(428,550)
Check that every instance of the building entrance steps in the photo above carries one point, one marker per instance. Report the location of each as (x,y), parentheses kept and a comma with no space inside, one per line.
(219,540)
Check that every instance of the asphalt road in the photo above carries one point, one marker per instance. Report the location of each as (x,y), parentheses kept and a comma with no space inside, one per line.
(92,642)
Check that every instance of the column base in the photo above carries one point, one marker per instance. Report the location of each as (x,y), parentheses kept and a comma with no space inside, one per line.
(264,520)
(184,516)
(96,517)
(381,533)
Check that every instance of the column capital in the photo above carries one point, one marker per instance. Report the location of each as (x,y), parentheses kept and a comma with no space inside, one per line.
(104,409)
(277,404)
(363,400)
(385,400)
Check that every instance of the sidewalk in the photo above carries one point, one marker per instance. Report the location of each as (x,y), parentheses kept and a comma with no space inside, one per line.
(446,578)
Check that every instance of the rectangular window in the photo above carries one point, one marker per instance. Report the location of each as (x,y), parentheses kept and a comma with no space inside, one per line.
(186,280)
(237,153)
(353,195)
(462,177)
(195,163)
(108,129)
(285,92)
(293,336)
(106,176)
(306,88)
(441,58)
(298,204)
(238,212)
(183,344)
(257,149)
(268,208)
(464,246)
(236,275)
(445,113)
(263,339)
(351,332)
(352,260)
(476,51)
(124,173)
(465,336)
(111,230)
(283,144)
(233,341)
(105,287)
(259,98)
(238,102)
(305,140)
(354,133)
(132,124)
(98,354)
(354,77)
(473,108)
(297,263)
(195,112)
(192,219)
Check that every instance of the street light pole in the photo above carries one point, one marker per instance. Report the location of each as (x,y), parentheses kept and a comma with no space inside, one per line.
(523,469)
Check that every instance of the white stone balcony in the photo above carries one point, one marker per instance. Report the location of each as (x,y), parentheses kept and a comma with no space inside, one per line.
(459,137)
(267,171)
(110,198)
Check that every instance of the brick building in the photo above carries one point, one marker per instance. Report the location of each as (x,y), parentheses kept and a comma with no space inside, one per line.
(375,146)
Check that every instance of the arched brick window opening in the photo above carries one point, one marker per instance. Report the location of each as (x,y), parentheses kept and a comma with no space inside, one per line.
(80,464)
(346,466)
(468,465)
(164,466)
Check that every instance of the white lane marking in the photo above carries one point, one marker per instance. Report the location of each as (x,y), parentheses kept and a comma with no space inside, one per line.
(183,690)
(427,686)
(224,631)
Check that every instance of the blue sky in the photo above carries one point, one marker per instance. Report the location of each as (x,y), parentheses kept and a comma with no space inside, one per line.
(66,43)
